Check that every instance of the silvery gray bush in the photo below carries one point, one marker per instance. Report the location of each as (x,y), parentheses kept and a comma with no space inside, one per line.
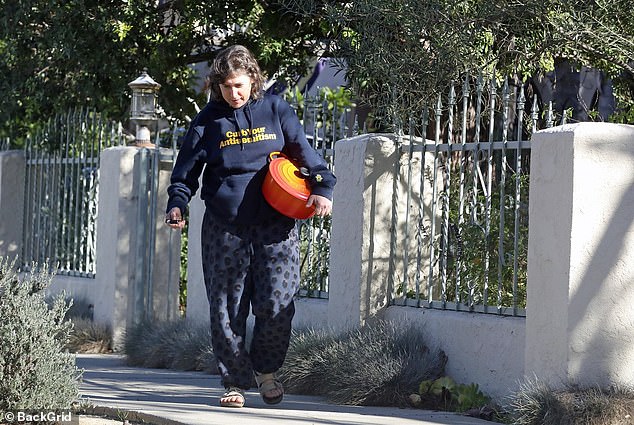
(378,364)
(173,345)
(35,371)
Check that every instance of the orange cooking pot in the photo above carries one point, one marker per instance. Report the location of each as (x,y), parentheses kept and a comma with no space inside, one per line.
(286,187)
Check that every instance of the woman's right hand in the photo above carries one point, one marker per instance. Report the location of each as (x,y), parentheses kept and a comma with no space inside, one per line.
(174,218)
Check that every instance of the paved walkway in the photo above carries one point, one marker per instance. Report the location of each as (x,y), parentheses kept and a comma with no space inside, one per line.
(165,397)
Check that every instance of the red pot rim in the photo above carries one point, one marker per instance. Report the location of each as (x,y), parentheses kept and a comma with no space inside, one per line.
(289,178)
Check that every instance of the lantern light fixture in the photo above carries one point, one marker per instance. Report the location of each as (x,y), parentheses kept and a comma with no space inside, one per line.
(144,106)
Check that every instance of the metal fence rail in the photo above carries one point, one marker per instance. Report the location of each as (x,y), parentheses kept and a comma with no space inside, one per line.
(60,211)
(324,123)
(465,243)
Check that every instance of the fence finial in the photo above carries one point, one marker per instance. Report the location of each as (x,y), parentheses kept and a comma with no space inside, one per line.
(534,114)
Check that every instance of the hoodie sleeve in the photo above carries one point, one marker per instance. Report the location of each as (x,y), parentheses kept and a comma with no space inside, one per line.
(322,180)
(187,170)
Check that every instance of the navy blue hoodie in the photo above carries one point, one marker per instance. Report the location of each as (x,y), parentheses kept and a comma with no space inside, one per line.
(232,147)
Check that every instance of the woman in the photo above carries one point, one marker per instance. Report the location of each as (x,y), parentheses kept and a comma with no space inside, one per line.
(250,252)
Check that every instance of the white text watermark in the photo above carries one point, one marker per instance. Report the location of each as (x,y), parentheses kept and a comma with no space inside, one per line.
(27,416)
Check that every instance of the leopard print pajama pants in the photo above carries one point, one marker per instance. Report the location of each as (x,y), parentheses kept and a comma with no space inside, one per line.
(257,267)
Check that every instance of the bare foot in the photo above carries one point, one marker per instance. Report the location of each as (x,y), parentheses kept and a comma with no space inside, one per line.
(233,397)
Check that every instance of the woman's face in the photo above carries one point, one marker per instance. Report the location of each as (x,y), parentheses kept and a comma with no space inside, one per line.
(236,90)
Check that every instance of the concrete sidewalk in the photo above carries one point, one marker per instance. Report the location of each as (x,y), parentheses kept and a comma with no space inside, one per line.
(175,397)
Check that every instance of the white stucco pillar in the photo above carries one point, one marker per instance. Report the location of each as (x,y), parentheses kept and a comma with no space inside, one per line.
(12,173)
(115,217)
(360,243)
(121,282)
(580,320)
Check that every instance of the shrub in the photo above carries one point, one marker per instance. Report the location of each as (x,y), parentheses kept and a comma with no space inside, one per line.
(379,364)
(307,357)
(535,403)
(35,372)
(172,345)
(445,394)
(85,335)
(89,337)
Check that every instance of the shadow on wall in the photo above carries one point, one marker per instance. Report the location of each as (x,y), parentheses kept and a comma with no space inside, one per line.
(601,321)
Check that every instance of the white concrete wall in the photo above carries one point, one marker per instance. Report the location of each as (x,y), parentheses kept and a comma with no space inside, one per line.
(485,349)
(480,348)
(580,321)
(360,242)
(78,288)
(357,238)
(12,176)
(580,267)
(362,225)
(115,290)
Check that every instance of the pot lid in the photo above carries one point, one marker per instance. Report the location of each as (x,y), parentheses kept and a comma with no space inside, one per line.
(289,178)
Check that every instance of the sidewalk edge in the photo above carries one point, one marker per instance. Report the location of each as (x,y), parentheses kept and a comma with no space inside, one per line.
(127,415)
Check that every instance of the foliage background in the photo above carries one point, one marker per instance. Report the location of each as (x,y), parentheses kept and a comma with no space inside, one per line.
(398,54)
(58,54)
(401,54)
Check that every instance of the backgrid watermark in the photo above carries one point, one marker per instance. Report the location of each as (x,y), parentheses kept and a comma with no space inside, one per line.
(62,417)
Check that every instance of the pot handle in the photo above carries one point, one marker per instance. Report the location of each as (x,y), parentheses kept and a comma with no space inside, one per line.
(277,154)
(273,155)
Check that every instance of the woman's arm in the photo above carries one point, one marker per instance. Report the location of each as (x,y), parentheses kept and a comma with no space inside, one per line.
(321,179)
(186,172)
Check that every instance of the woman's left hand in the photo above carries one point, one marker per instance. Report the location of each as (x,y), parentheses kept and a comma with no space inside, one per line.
(323,205)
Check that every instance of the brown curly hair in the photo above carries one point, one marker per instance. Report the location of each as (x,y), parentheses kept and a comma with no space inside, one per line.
(234,60)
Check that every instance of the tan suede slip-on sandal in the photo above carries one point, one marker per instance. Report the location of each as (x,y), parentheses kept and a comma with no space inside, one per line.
(232,392)
(268,382)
